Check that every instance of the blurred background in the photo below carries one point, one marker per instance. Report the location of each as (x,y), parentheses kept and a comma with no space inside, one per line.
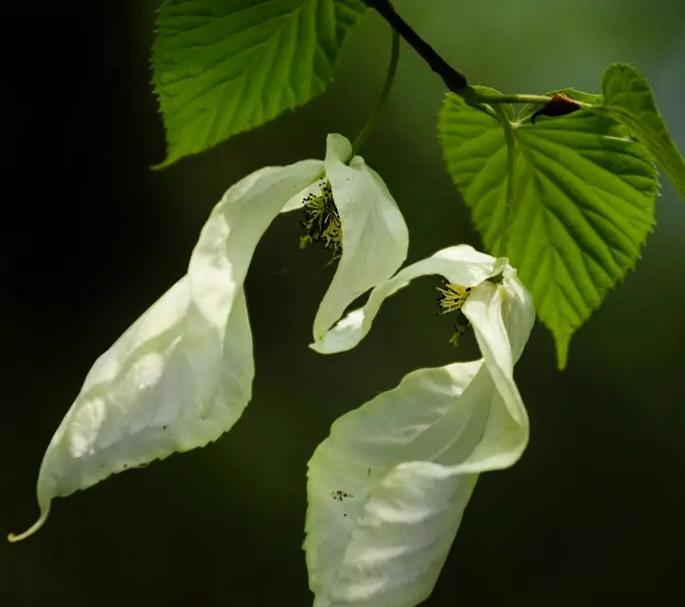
(594,512)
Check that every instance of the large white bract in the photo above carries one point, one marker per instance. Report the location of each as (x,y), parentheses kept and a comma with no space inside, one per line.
(388,487)
(182,374)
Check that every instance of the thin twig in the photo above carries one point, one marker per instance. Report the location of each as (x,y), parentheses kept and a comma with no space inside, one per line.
(455,81)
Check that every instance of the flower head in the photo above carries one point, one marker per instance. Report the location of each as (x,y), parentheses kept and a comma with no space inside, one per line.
(408,459)
(181,375)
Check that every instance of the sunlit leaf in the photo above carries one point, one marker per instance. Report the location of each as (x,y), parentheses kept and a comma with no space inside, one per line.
(570,201)
(628,98)
(223,67)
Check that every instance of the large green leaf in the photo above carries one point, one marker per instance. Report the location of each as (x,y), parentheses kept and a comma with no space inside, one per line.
(226,66)
(569,200)
(629,99)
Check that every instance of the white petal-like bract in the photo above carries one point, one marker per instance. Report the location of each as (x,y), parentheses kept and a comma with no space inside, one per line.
(182,374)
(374,234)
(387,489)
(461,264)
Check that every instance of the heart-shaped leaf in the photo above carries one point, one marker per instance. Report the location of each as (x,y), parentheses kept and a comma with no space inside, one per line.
(221,68)
(570,201)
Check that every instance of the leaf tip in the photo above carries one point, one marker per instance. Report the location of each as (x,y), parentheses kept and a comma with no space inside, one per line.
(13,538)
(167,162)
(160,165)
(561,343)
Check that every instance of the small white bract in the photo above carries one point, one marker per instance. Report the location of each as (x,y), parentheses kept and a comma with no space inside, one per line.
(408,460)
(182,374)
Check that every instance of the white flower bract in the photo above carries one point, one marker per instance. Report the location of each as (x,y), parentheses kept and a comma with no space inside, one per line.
(182,374)
(388,487)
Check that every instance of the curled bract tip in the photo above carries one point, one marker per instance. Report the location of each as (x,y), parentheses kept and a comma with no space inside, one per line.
(13,538)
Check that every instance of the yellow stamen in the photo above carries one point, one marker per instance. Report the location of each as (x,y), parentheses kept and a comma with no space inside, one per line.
(453,297)
(322,221)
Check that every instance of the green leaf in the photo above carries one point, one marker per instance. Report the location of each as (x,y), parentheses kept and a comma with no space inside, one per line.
(629,99)
(570,201)
(225,66)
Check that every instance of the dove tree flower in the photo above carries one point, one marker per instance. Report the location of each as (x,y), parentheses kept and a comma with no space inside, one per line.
(182,374)
(388,487)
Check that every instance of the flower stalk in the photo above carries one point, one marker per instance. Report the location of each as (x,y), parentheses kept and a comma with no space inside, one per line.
(383,98)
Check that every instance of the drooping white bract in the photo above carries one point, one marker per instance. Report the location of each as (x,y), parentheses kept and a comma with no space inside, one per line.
(182,374)
(388,487)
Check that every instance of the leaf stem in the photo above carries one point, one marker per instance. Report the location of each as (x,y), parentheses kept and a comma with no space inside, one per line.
(455,80)
(472,95)
(383,98)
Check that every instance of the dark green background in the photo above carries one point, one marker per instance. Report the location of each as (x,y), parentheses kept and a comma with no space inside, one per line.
(594,512)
